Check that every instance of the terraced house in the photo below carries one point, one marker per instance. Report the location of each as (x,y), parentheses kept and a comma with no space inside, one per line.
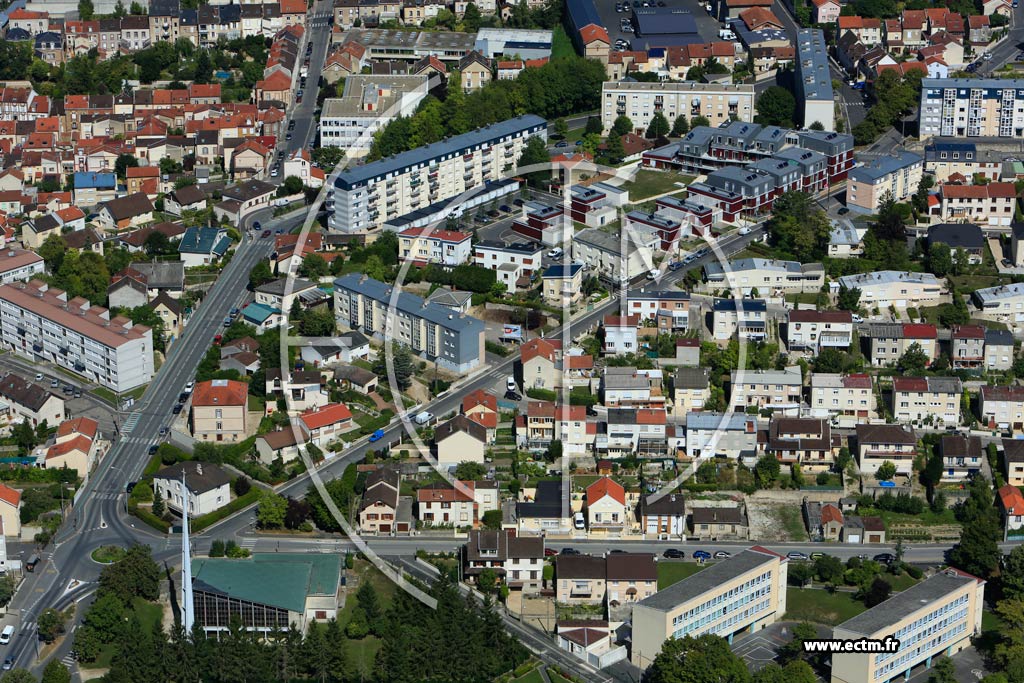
(928,400)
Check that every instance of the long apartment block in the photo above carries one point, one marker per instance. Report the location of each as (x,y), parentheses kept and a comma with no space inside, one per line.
(932,619)
(40,323)
(640,101)
(366,197)
(972,107)
(745,592)
(452,340)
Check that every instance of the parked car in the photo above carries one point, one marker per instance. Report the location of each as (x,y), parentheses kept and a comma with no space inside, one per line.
(886,558)
(8,663)
(702,555)
(745,230)
(153,448)
(513,396)
(68,389)
(555,253)
(796,556)
(163,431)
(550,552)
(217,339)
(857,318)
(190,386)
(815,556)
(377,436)
(39,377)
(843,211)
(653,274)
(227,321)
(563,143)
(54,383)
(675,265)
(674,554)
(569,551)
(78,393)
(1006,262)
(722,555)
(266,233)
(177,409)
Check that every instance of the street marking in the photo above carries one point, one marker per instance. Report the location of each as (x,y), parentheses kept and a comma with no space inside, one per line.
(130,422)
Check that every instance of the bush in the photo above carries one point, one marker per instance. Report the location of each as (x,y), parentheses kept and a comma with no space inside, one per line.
(217,548)
(203,521)
(542,394)
(242,486)
(914,572)
(149,518)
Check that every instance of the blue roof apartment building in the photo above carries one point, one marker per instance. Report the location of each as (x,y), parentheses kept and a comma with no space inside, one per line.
(814,80)
(972,107)
(453,341)
(366,197)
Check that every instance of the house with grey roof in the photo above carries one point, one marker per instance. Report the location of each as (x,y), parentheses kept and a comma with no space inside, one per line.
(768,277)
(344,347)
(722,435)
(203,246)
(209,487)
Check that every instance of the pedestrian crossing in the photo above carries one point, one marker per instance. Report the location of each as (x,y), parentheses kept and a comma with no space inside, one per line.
(28,627)
(130,422)
(68,660)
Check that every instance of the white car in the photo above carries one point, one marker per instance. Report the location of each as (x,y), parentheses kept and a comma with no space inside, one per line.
(744,231)
(653,274)
(190,386)
(510,383)
(555,253)
(857,318)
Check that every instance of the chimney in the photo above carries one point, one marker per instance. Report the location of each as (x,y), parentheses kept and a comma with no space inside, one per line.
(199,468)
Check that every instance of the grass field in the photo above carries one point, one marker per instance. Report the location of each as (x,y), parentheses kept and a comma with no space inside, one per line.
(650,183)
(532,677)
(899,583)
(363,652)
(670,572)
(561,45)
(820,607)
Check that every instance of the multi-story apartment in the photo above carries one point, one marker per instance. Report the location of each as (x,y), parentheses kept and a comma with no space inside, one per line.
(1013,456)
(1004,303)
(220,409)
(935,618)
(669,309)
(779,390)
(899,289)
(365,197)
(1002,408)
(746,318)
(990,205)
(616,258)
(961,457)
(765,277)
(803,441)
(745,592)
(813,331)
(815,99)
(517,561)
(512,262)
(999,349)
(878,443)
(453,341)
(889,341)
(42,324)
(368,104)
(896,176)
(718,103)
(967,345)
(424,246)
(636,431)
(849,396)
(19,264)
(929,400)
(972,107)
(945,157)
(727,435)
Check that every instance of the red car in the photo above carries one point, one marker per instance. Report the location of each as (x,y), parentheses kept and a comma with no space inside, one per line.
(550,552)
(216,339)
(266,233)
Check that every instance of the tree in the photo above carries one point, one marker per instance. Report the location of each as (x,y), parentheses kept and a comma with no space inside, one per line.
(318,322)
(401,361)
(204,68)
(535,154)
(913,361)
(314,267)
(943,671)
(699,121)
(658,127)
(829,360)
(137,575)
(622,125)
(487,581)
(978,550)
(492,519)
(878,592)
(848,298)
(817,125)
(829,569)
(615,149)
(158,503)
(56,672)
(931,474)
(561,127)
(50,624)
(157,243)
(470,471)
(271,511)
(1013,573)
(940,259)
(593,126)
(217,548)
(886,471)
(124,160)
(775,107)
(471,18)
(86,11)
(52,252)
(766,471)
(260,274)
(705,659)
(292,185)
(119,9)
(680,127)
(18,676)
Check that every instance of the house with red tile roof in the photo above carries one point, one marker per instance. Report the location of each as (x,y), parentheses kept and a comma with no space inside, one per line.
(220,411)
(482,407)
(460,505)
(606,506)
(1011,502)
(10,510)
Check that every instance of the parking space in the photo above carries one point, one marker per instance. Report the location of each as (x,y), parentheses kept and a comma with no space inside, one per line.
(707,25)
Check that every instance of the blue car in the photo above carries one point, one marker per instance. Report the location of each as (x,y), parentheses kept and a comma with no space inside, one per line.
(701,555)
(256,225)
(377,436)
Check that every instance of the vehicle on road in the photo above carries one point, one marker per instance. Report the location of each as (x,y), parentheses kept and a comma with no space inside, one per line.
(190,386)
(39,377)
(234,312)
(673,554)
(217,339)
(510,383)
(563,143)
(745,231)
(675,265)
(859,85)
(163,431)
(273,172)
(377,436)
(987,56)
(8,663)
(653,274)
(78,393)
(796,555)
(423,418)
(887,558)
(153,449)
(815,556)
(177,409)
(843,211)
(288,136)
(129,487)
(513,396)
(54,383)
(569,551)
(266,233)
(857,318)
(701,555)
(68,389)
(33,561)
(5,637)
(555,253)
(256,225)
(722,555)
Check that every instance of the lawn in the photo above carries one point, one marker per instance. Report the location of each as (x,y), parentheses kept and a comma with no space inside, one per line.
(821,607)
(363,652)
(792,521)
(671,572)
(257,404)
(532,677)
(561,46)
(108,554)
(899,583)
(966,284)
(651,183)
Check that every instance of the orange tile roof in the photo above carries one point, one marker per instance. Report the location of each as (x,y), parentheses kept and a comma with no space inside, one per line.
(328,415)
(650,416)
(480,398)
(277,81)
(605,486)
(539,347)
(830,513)
(81,425)
(220,392)
(79,443)
(9,495)
(1012,499)
(592,32)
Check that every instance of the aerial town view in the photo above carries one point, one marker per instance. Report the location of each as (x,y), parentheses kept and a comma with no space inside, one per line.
(512,341)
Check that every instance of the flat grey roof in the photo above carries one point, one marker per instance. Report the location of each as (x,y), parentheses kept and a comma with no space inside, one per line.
(707,580)
(901,605)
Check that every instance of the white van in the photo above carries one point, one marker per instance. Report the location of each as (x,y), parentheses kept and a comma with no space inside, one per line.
(423,418)
(5,635)
(579,522)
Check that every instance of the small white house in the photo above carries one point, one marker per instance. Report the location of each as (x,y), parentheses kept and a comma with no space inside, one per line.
(209,487)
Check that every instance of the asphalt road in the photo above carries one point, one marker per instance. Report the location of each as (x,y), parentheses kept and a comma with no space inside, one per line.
(1007,49)
(318,35)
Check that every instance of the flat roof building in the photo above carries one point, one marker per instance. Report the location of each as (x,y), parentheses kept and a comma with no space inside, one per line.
(367,104)
(814,80)
(719,103)
(972,107)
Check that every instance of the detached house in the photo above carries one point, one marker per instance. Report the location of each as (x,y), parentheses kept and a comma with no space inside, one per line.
(807,442)
(482,407)
(662,516)
(460,439)
(606,506)
(1002,408)
(462,505)
(125,212)
(878,443)
(961,457)
(203,246)
(718,523)
(517,561)
(1013,455)
(379,509)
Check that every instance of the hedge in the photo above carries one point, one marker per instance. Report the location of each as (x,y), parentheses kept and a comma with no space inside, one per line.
(203,521)
(541,394)
(149,518)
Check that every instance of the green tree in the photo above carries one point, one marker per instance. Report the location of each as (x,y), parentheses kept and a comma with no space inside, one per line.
(931,474)
(260,274)
(86,10)
(402,363)
(318,322)
(492,519)
(204,68)
(978,550)
(534,154)
(622,125)
(56,672)
(943,671)
(680,127)
(137,575)
(314,267)
(124,160)
(470,471)
(292,185)
(561,127)
(775,107)
(766,471)
(614,148)
(593,126)
(913,361)
(1013,574)
(878,592)
(18,676)
(217,548)
(658,127)
(940,259)
(829,569)
(158,503)
(471,18)
(52,252)
(848,298)
(699,121)
(271,511)
(487,581)
(886,471)
(50,624)
(705,659)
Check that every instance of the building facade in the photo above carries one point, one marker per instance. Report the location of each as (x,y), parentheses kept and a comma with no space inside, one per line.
(640,101)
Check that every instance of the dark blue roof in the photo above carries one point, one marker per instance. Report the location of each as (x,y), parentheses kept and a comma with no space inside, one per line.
(582,13)
(17,33)
(204,241)
(657,21)
(526,45)
(99,181)
(751,305)
(954,146)
(563,270)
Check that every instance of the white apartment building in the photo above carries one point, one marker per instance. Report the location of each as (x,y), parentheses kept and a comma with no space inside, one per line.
(620,334)
(929,400)
(510,261)
(900,289)
(1004,303)
(368,104)
(972,107)
(641,100)
(19,264)
(1002,408)
(813,331)
(365,197)
(627,386)
(423,246)
(41,324)
(780,390)
(745,592)
(617,258)
(844,396)
(726,435)
(935,618)
(766,277)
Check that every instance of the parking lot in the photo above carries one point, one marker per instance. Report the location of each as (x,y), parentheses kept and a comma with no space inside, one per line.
(707,26)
